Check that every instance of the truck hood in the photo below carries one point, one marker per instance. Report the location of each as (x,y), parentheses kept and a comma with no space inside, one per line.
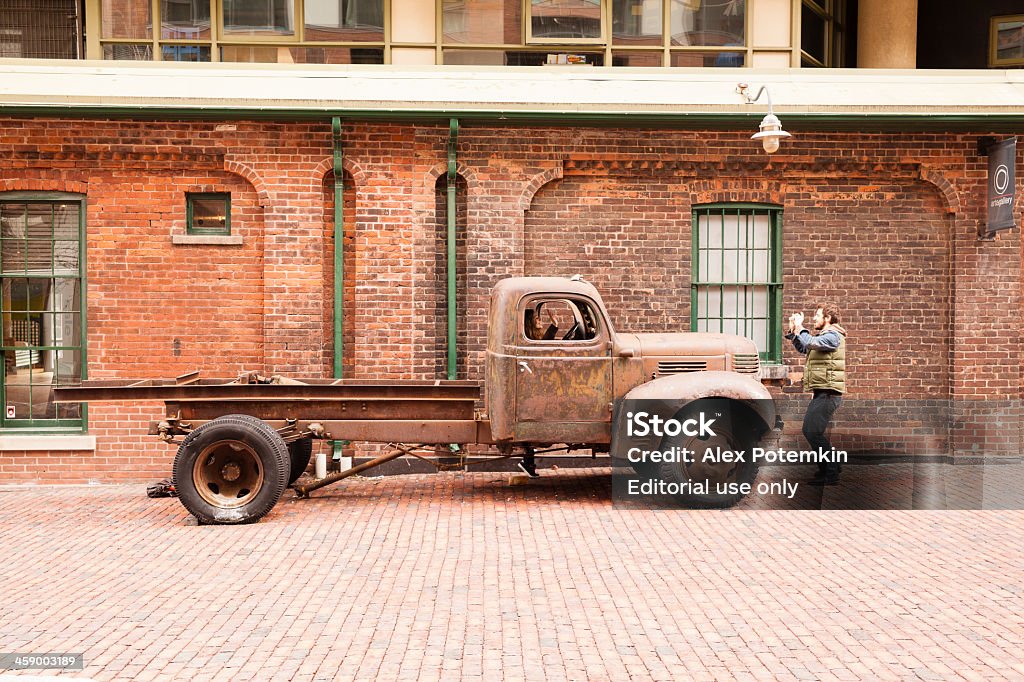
(686,344)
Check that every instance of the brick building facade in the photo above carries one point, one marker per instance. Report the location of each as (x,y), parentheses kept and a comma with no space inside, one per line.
(886,223)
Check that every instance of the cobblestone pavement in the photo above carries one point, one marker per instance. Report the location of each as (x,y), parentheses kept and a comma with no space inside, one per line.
(463,576)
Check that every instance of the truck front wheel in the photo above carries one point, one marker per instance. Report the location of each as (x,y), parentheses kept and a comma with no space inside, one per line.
(720,479)
(231,470)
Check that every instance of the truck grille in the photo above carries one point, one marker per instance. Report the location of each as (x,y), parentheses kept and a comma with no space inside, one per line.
(746,364)
(681,366)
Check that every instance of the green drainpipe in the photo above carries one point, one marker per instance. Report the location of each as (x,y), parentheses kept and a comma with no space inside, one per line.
(339,258)
(453,138)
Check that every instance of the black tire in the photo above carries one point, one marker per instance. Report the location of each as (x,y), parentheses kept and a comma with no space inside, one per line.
(231,470)
(646,469)
(732,432)
(299,452)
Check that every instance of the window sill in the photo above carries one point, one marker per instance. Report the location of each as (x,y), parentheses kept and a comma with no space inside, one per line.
(38,442)
(207,239)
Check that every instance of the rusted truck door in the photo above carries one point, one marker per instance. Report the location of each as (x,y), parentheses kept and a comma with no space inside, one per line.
(563,371)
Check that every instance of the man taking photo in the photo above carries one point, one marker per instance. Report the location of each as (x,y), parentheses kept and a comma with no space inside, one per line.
(825,376)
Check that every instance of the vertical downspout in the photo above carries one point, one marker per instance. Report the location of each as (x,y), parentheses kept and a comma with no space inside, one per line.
(453,138)
(339,267)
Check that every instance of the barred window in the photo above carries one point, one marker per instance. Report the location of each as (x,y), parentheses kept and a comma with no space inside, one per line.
(736,286)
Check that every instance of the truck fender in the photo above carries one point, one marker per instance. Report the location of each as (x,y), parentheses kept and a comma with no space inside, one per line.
(673,393)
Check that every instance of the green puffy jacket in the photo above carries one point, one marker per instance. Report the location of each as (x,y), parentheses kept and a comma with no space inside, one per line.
(825,368)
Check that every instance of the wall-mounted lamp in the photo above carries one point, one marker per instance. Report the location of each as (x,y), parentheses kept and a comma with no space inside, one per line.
(771,127)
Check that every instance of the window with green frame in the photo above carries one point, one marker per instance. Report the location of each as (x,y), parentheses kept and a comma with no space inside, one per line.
(208,212)
(42,296)
(736,286)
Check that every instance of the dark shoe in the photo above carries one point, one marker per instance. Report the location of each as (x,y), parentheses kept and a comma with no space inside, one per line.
(531,471)
(824,480)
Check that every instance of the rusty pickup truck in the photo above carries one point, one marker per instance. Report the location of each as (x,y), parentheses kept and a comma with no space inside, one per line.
(555,371)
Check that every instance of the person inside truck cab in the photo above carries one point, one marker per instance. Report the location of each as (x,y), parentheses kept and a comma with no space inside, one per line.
(533,325)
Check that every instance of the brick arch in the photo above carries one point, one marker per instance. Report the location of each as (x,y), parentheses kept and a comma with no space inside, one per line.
(349,166)
(240,169)
(536,182)
(44,185)
(747,191)
(944,186)
(467,173)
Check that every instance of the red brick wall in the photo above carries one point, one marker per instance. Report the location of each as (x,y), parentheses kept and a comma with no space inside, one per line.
(885,224)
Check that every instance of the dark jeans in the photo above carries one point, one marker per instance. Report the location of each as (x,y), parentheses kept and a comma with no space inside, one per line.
(819,414)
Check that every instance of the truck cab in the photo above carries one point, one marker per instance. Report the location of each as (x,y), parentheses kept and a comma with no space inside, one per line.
(556,365)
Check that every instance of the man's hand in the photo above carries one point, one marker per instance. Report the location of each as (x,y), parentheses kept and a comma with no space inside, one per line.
(796,322)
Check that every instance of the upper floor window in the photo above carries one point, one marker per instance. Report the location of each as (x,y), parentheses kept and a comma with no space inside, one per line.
(41,30)
(595,32)
(693,33)
(272,31)
(823,33)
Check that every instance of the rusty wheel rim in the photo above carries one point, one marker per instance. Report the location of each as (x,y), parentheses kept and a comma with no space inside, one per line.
(228,474)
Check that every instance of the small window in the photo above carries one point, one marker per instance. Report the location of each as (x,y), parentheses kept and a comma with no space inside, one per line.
(737,274)
(209,213)
(559,319)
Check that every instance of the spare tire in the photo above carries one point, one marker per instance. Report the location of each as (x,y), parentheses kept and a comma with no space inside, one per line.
(231,470)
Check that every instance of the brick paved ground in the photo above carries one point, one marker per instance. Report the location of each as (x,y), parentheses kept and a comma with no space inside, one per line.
(454,576)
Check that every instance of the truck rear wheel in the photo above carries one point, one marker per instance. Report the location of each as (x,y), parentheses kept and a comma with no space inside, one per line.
(299,452)
(231,470)
(731,433)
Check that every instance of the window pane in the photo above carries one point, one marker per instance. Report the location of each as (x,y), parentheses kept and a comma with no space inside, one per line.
(344,20)
(636,22)
(759,334)
(813,34)
(185,53)
(483,21)
(210,212)
(475,57)
(706,59)
(65,258)
(39,239)
(520,57)
(565,18)
(1009,40)
(127,19)
(259,17)
(126,52)
(302,55)
(65,221)
(185,19)
(636,58)
(700,22)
